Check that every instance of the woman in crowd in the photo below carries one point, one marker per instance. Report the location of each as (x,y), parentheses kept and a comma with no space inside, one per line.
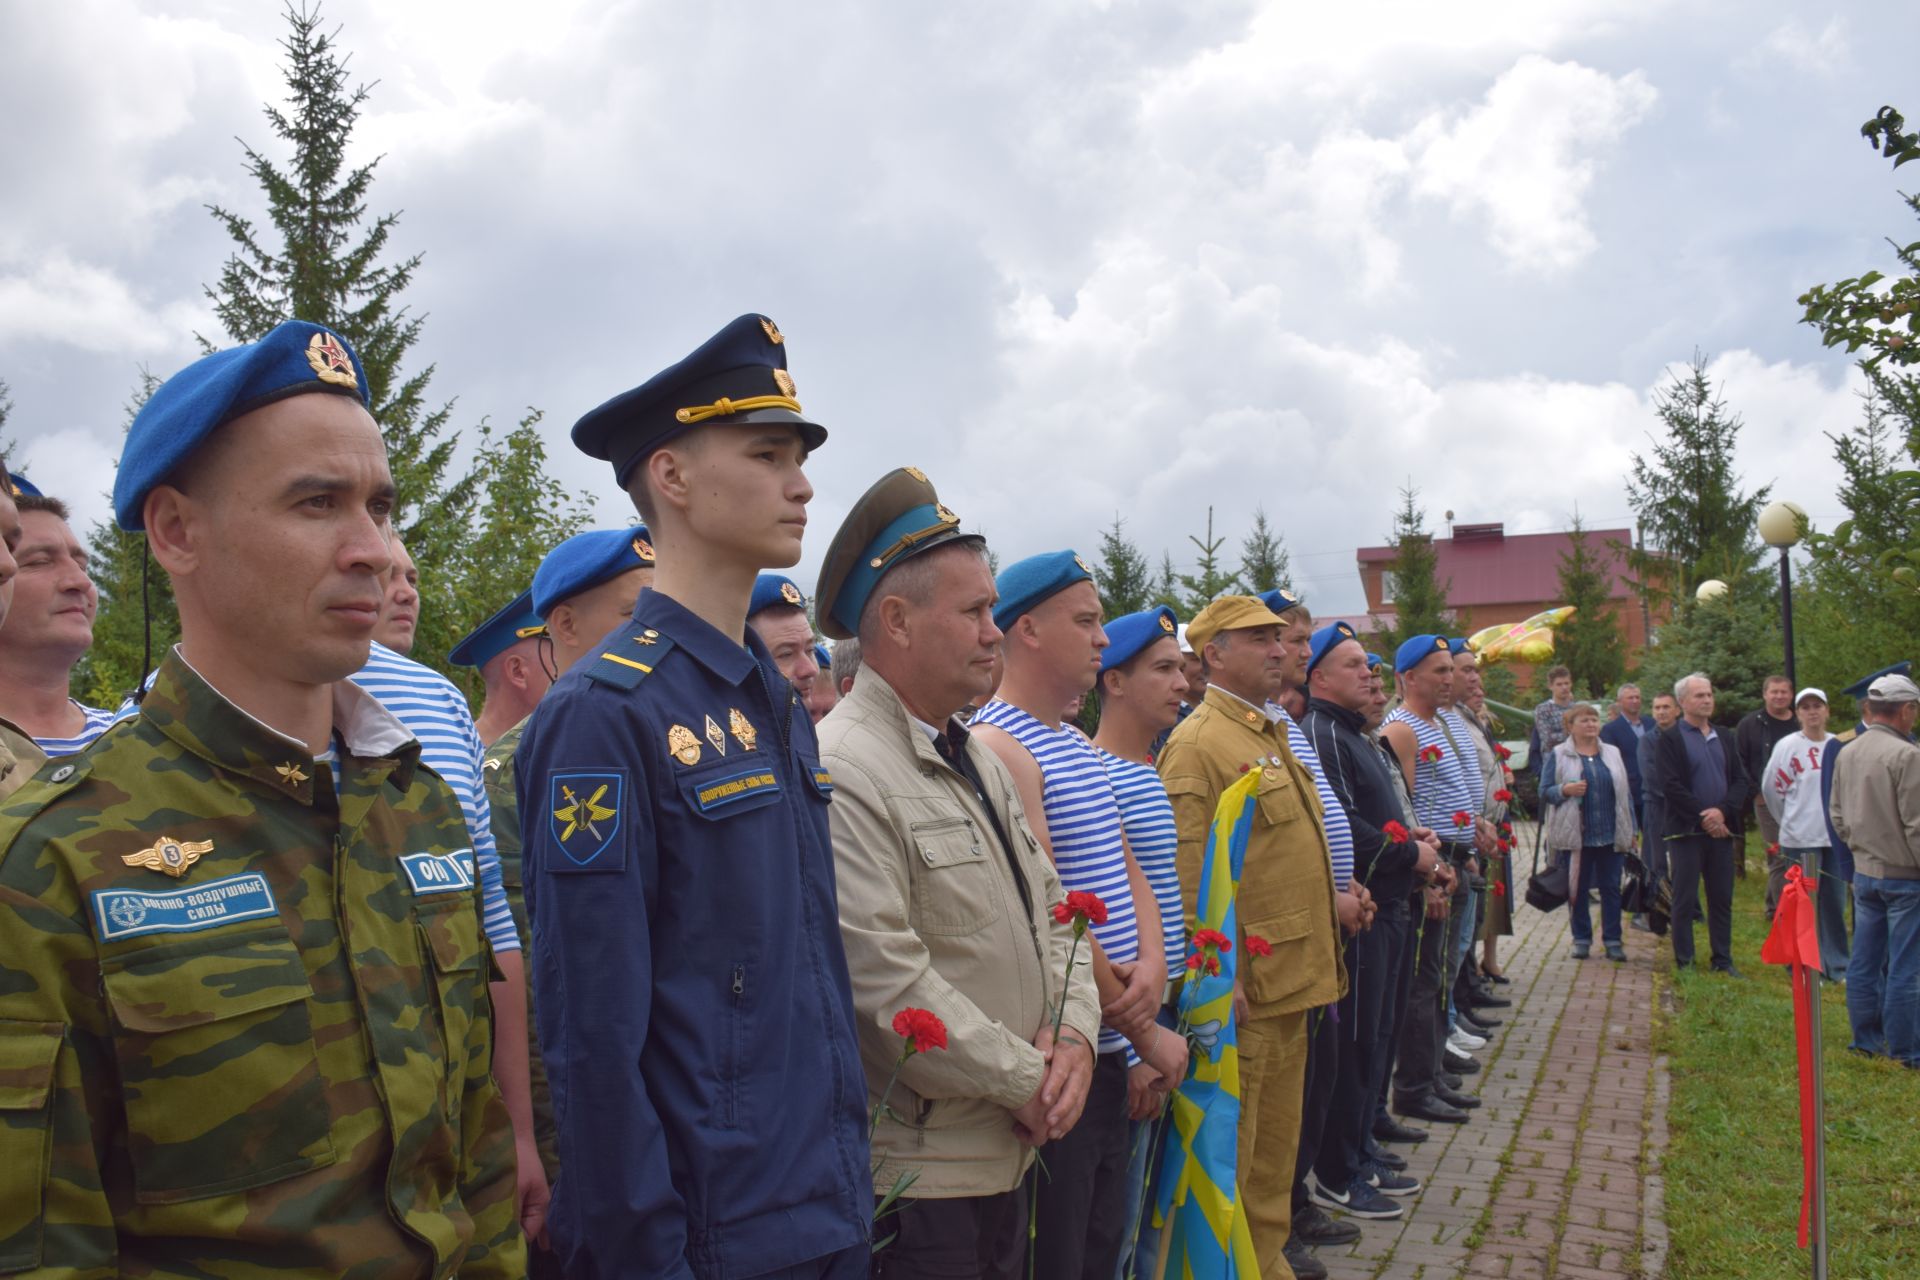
(1590,820)
(1498,909)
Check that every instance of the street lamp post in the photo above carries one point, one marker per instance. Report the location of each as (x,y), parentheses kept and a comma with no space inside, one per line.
(1781,525)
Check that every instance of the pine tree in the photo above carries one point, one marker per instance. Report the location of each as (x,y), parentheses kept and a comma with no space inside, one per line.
(1697,521)
(1124,583)
(1166,588)
(1199,589)
(1588,643)
(136,622)
(1264,562)
(1414,589)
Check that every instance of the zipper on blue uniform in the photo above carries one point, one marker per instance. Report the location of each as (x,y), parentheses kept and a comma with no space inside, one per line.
(739,981)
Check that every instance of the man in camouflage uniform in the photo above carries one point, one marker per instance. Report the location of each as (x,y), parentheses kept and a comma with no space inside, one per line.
(19,754)
(244,1025)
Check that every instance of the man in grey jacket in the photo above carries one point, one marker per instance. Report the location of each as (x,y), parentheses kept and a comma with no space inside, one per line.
(1876,810)
(944,894)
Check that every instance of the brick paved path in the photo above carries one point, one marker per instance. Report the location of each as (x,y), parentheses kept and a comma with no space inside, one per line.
(1569,1136)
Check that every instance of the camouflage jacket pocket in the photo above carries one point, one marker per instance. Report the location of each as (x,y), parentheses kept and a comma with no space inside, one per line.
(450,929)
(27,1053)
(217,1068)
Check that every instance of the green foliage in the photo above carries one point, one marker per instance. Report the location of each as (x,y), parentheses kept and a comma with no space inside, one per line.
(1199,589)
(1414,589)
(1588,643)
(1870,311)
(117,562)
(1166,589)
(1264,562)
(1697,521)
(1125,584)
(1501,684)
(1734,639)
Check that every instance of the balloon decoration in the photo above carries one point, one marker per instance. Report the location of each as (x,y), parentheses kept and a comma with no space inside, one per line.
(1530,641)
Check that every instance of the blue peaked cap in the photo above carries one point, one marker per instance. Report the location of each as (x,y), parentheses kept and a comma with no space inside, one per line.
(1026,583)
(497,634)
(1415,651)
(822,656)
(1858,689)
(295,357)
(1324,641)
(1130,634)
(772,590)
(737,376)
(585,561)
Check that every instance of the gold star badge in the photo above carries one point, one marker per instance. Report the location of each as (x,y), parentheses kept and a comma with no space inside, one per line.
(330,362)
(643,549)
(742,728)
(684,746)
(291,774)
(717,738)
(1166,624)
(169,855)
(791,594)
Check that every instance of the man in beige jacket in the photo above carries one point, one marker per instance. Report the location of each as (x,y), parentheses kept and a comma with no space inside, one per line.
(944,893)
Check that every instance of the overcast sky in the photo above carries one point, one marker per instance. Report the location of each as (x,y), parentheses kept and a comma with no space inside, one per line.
(1071,259)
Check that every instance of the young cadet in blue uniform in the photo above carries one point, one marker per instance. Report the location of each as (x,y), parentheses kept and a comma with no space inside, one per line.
(694,1005)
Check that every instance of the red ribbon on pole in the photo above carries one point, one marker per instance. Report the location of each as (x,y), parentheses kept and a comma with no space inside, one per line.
(1794,941)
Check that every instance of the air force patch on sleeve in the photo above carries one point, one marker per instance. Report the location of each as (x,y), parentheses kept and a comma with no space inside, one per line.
(584,815)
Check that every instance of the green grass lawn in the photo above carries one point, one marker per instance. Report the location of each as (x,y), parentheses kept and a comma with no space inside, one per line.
(1733,1167)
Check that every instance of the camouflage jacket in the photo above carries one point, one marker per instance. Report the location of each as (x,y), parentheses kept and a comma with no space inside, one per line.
(20,757)
(244,1027)
(505,805)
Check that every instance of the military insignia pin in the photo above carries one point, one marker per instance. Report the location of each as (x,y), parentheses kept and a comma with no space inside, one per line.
(643,549)
(1084,566)
(169,855)
(330,362)
(291,774)
(784,380)
(717,738)
(742,728)
(773,333)
(684,746)
(1166,624)
(945,516)
(791,594)
(916,473)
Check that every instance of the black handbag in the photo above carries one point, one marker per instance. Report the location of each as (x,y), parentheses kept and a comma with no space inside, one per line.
(1634,895)
(1547,890)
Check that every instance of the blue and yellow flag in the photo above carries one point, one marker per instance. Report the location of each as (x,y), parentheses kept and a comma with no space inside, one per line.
(1206,1236)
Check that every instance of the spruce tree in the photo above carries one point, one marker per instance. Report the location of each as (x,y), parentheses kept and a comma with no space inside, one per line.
(135,596)
(1125,586)
(1414,589)
(1588,643)
(1211,580)
(1697,520)
(1264,562)
(1166,588)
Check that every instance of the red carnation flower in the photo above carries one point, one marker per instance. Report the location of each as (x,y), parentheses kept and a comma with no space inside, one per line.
(922,1028)
(1205,938)
(1503,796)
(1773,848)
(1258,946)
(1213,966)
(1086,906)
(1499,890)
(1429,754)
(1504,753)
(1461,818)
(1395,832)
(1505,846)
(1196,960)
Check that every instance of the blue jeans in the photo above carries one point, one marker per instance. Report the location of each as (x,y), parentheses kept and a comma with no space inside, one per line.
(1830,895)
(1461,932)
(1883,978)
(1145,1139)
(1600,868)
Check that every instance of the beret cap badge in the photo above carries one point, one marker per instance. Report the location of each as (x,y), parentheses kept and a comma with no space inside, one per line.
(1166,624)
(791,594)
(330,361)
(773,331)
(643,549)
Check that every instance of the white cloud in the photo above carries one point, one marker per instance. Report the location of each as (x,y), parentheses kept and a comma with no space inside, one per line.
(1524,157)
(1791,44)
(87,306)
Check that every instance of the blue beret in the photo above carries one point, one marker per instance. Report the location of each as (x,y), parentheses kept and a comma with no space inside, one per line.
(497,634)
(1280,599)
(23,487)
(898,518)
(739,375)
(1130,633)
(586,560)
(771,590)
(1323,641)
(294,358)
(1413,652)
(1374,660)
(1026,583)
(1456,644)
(822,656)
(1858,689)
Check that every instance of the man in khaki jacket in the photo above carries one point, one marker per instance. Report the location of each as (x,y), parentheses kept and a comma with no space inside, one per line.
(944,893)
(1286,895)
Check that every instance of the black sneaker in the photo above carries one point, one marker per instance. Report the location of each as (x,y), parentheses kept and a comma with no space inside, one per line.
(1301,1259)
(1358,1200)
(1387,1182)
(1313,1226)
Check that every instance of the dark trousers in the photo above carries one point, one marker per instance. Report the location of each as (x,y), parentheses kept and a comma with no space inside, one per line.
(1424,1028)
(1350,1110)
(1693,859)
(1394,925)
(848,1264)
(1083,1189)
(971,1238)
(1323,1069)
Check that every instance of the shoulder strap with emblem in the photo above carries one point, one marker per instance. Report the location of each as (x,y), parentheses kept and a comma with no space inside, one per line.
(56,777)
(630,657)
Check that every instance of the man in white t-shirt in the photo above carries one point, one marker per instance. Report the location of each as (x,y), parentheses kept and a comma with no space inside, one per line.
(1790,790)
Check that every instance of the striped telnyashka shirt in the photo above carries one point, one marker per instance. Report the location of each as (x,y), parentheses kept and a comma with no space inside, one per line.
(1147,816)
(1339,830)
(98,720)
(1441,788)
